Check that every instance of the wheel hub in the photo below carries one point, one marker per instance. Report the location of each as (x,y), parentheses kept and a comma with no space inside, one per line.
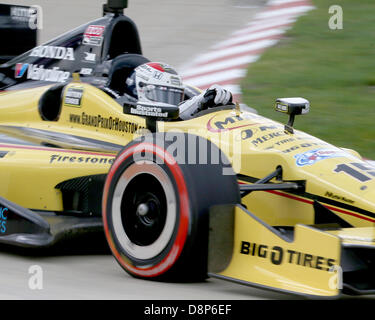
(144,210)
(148,210)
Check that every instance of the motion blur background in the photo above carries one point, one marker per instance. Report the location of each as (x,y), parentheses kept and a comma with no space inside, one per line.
(170,30)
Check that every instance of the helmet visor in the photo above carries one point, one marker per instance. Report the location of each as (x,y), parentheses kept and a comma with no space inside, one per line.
(170,95)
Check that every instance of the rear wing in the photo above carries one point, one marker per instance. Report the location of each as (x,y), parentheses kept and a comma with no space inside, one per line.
(18,30)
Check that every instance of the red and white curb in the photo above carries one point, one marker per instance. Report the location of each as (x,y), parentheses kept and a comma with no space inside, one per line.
(226,62)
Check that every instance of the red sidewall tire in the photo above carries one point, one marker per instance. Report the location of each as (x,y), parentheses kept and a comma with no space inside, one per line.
(184,217)
(181,253)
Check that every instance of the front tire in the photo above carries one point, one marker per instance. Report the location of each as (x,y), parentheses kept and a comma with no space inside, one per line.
(156,203)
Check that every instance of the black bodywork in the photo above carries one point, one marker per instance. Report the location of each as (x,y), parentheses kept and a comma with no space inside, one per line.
(93,47)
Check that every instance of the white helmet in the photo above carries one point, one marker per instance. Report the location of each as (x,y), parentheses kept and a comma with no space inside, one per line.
(155,82)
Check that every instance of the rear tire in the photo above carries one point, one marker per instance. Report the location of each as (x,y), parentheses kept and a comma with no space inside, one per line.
(156,204)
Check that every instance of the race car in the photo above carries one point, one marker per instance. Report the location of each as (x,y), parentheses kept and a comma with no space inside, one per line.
(227,194)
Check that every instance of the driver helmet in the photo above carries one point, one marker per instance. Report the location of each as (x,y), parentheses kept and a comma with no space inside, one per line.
(155,82)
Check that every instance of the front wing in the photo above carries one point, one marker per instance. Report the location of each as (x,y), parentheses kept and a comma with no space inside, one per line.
(313,261)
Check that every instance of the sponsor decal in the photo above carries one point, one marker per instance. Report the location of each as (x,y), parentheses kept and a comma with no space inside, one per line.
(281,107)
(110,123)
(3,219)
(140,75)
(59,53)
(149,111)
(162,67)
(278,256)
(248,133)
(73,96)
(232,122)
(284,141)
(99,82)
(147,68)
(225,124)
(156,65)
(304,145)
(36,72)
(86,71)
(20,70)
(90,57)
(83,159)
(337,197)
(176,81)
(312,156)
(268,137)
(158,75)
(93,35)
(157,71)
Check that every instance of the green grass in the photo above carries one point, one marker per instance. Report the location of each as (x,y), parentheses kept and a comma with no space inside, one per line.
(333,69)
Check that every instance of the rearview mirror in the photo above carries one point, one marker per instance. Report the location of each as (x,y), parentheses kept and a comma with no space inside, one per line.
(293,107)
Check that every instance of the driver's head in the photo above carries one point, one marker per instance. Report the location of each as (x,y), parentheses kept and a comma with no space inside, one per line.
(155,82)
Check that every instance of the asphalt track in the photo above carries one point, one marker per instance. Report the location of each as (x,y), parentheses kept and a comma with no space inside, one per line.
(173,31)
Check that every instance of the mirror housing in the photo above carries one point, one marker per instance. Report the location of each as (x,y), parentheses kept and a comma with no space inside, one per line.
(115,6)
(293,107)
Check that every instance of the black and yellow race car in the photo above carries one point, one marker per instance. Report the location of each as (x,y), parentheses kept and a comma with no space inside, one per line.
(228,194)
